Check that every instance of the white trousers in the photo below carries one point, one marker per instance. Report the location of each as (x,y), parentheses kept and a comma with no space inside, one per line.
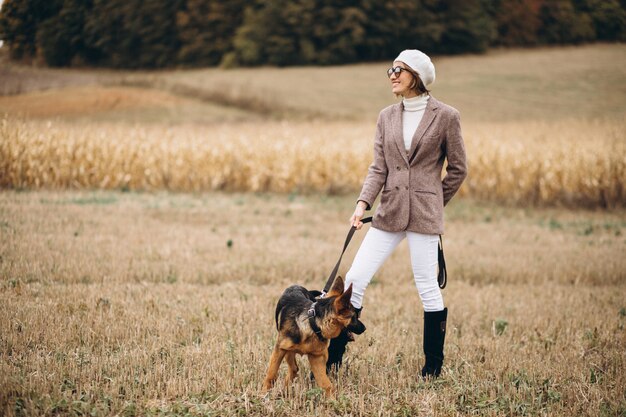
(376,248)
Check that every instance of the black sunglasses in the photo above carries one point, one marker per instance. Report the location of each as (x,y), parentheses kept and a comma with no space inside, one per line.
(396,70)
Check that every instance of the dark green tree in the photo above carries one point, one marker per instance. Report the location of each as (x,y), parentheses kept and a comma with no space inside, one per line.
(265,36)
(206,29)
(165,33)
(133,33)
(395,25)
(467,26)
(562,24)
(60,38)
(19,22)
(283,32)
(335,34)
(517,22)
(608,18)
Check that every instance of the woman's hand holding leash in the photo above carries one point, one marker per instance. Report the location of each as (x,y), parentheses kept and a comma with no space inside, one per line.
(359,211)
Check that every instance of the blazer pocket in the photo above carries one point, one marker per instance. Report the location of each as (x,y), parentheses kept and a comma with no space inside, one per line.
(390,189)
(426,191)
(432,137)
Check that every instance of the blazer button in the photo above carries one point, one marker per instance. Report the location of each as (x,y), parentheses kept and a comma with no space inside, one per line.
(398,168)
(397,188)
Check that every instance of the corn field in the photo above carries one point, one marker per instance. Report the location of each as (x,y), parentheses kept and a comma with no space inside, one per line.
(573,163)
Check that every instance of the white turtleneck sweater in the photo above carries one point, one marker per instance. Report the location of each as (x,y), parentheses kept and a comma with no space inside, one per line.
(411,116)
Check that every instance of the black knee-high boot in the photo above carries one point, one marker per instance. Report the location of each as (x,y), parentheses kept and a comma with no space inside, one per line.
(434,337)
(337,346)
(336,349)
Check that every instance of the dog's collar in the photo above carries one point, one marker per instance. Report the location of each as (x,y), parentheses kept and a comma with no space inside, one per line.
(313,323)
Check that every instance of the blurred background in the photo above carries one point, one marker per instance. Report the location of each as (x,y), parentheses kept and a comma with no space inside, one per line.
(197,33)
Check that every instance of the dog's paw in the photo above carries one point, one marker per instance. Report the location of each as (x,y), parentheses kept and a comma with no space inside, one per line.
(267,386)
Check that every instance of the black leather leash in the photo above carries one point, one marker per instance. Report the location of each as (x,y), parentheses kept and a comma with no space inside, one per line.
(333,274)
(331,278)
(442,276)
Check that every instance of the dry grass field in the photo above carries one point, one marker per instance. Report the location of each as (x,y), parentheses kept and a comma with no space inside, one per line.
(509,85)
(149,221)
(162,304)
(92,104)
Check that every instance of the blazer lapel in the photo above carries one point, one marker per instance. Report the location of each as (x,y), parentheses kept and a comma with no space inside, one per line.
(396,124)
(430,112)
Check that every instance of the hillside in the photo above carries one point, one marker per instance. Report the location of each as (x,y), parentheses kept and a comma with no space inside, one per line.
(503,85)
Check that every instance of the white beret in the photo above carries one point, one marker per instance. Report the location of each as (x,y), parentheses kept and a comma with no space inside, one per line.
(420,63)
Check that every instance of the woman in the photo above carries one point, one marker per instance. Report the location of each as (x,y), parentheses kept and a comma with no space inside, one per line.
(412,140)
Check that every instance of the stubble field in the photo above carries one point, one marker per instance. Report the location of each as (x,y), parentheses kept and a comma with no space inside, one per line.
(162,304)
(150,221)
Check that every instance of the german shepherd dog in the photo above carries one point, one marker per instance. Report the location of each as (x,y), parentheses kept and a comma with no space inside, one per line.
(305,326)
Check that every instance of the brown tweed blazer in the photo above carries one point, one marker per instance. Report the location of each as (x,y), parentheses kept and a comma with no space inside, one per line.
(414,193)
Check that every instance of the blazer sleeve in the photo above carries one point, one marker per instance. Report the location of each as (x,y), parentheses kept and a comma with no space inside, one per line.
(456,171)
(377,172)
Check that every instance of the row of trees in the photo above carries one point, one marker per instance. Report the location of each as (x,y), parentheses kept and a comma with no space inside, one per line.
(161,33)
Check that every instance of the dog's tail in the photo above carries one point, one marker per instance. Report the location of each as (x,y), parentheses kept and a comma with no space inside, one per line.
(279,308)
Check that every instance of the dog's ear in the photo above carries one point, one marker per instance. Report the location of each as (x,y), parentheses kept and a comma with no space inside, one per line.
(337,288)
(342,303)
(313,294)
